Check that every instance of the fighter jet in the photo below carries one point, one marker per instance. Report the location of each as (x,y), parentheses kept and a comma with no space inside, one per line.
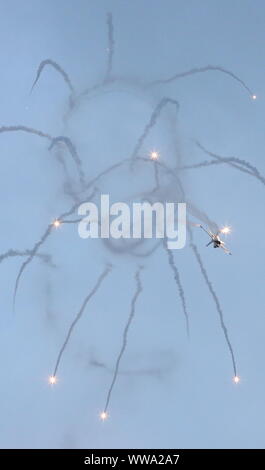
(216,240)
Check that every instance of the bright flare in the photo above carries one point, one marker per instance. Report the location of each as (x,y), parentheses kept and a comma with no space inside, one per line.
(56,223)
(52,380)
(154,155)
(103,415)
(254,97)
(236,379)
(226,230)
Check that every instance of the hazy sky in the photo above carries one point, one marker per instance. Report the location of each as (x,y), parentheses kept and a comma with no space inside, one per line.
(171,392)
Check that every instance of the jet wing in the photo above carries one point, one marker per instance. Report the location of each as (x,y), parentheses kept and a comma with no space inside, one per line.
(209,233)
(225,249)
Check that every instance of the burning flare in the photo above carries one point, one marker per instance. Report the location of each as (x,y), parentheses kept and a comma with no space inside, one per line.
(154,155)
(225,230)
(104,415)
(56,223)
(52,380)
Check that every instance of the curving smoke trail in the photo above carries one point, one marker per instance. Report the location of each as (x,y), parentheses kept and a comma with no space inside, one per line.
(175,271)
(69,144)
(193,71)
(216,300)
(234,162)
(33,253)
(157,371)
(206,163)
(58,68)
(138,291)
(68,187)
(227,161)
(153,119)
(59,154)
(79,315)
(30,130)
(45,257)
(248,165)
(53,140)
(110,49)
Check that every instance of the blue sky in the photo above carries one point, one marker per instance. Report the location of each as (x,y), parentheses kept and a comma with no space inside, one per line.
(171,392)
